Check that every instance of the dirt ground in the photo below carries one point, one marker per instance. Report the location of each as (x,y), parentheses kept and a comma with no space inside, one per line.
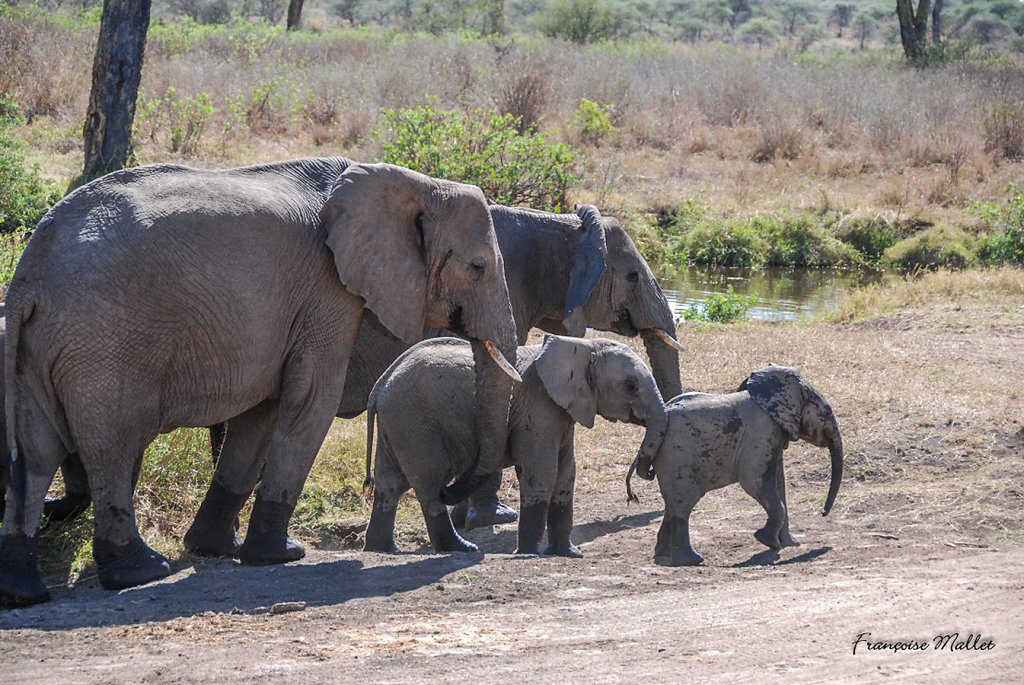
(925,540)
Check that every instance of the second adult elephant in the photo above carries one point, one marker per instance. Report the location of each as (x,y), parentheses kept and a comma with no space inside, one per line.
(162,296)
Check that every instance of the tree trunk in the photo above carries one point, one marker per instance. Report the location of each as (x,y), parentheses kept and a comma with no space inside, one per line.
(116,71)
(294,14)
(914,29)
(937,22)
(496,16)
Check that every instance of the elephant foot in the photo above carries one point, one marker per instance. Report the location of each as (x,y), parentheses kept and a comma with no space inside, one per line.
(267,551)
(564,550)
(767,538)
(688,557)
(67,508)
(20,584)
(444,538)
(214,533)
(267,540)
(127,565)
(494,515)
(786,539)
(381,546)
(210,541)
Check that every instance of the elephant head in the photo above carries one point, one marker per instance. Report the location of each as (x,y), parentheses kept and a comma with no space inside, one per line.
(802,414)
(589,377)
(624,298)
(437,265)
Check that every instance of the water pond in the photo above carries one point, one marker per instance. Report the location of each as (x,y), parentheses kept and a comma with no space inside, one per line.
(779,293)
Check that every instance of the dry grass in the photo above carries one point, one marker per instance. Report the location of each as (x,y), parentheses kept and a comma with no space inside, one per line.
(690,119)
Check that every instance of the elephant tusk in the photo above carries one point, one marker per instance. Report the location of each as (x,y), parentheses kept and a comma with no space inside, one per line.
(502,363)
(668,340)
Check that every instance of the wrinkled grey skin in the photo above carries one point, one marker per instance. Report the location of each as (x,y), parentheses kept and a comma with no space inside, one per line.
(716,440)
(423,440)
(160,297)
(553,262)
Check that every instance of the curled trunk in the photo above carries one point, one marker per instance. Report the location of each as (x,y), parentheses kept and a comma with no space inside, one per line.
(493,390)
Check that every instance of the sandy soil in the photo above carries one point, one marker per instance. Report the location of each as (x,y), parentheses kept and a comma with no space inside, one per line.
(925,541)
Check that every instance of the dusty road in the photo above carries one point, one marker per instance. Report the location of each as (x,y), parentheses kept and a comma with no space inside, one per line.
(925,540)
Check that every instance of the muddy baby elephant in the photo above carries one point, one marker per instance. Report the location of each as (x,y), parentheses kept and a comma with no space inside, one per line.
(715,440)
(421,404)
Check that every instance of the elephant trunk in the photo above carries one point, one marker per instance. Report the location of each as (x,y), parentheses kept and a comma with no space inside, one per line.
(657,427)
(493,388)
(835,451)
(664,359)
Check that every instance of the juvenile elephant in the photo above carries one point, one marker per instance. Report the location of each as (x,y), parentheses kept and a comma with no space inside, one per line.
(423,440)
(162,296)
(715,440)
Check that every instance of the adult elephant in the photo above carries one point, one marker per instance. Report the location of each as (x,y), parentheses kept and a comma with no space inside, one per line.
(565,273)
(162,296)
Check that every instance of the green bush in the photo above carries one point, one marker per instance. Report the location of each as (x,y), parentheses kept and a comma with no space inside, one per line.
(24,194)
(1006,246)
(870,237)
(583,21)
(483,148)
(802,240)
(940,246)
(592,123)
(724,307)
(724,243)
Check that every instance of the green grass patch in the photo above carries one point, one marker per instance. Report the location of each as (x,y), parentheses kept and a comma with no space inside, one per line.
(727,307)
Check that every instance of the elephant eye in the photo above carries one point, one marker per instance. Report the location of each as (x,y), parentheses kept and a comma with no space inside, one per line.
(479,267)
(631,386)
(633,277)
(419,230)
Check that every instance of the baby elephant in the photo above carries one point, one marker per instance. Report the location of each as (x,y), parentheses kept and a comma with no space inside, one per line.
(716,440)
(424,403)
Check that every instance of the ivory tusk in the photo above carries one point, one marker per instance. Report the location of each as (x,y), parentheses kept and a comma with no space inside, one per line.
(668,339)
(502,363)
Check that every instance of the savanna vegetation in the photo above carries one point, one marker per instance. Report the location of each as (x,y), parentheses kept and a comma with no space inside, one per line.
(725,132)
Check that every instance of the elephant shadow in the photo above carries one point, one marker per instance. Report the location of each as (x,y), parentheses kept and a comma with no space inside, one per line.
(771,557)
(503,539)
(225,586)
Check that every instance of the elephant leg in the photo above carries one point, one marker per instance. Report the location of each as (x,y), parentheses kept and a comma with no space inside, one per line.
(122,558)
(681,494)
(483,509)
(309,400)
(76,497)
(214,532)
(39,454)
(389,484)
(786,538)
(560,509)
(764,490)
(536,459)
(443,537)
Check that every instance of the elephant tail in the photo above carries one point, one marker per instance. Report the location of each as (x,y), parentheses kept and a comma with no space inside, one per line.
(13,462)
(371,414)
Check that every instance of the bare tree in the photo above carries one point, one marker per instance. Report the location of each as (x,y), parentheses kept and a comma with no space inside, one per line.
(116,71)
(914,29)
(294,14)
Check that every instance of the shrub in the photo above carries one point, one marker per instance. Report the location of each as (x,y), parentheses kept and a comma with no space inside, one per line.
(802,240)
(483,148)
(185,117)
(1006,245)
(583,21)
(721,308)
(870,237)
(1004,130)
(724,243)
(937,247)
(592,123)
(24,194)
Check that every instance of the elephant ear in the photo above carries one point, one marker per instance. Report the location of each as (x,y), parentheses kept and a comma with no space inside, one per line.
(588,264)
(776,389)
(373,220)
(564,369)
